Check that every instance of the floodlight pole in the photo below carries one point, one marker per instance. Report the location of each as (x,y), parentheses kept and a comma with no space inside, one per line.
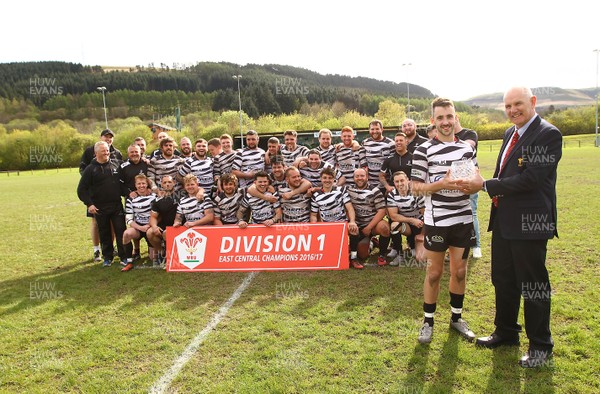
(596,141)
(238,77)
(407,91)
(103,89)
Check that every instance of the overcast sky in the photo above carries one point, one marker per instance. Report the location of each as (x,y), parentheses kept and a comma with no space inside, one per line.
(456,49)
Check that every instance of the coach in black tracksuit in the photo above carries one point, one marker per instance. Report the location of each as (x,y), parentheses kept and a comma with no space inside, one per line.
(100,190)
(522,220)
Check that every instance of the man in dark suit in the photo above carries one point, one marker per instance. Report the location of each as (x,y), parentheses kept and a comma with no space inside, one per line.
(522,220)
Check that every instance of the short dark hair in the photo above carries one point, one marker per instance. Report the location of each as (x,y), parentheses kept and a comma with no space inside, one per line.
(313,152)
(441,102)
(377,122)
(277,159)
(261,174)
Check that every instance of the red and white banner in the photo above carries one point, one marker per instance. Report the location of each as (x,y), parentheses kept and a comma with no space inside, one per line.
(292,246)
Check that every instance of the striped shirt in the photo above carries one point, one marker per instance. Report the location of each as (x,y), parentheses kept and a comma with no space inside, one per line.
(330,205)
(202,168)
(191,209)
(376,152)
(261,210)
(366,203)
(226,207)
(275,183)
(289,157)
(409,205)
(297,208)
(139,208)
(327,155)
(160,167)
(224,163)
(431,161)
(248,160)
(348,160)
(314,175)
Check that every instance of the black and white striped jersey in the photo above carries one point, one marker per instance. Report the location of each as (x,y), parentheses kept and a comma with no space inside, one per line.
(275,183)
(248,160)
(191,209)
(296,209)
(366,203)
(330,206)
(431,161)
(348,160)
(226,207)
(224,163)
(261,210)
(375,153)
(408,205)
(289,157)
(314,175)
(202,168)
(139,208)
(160,166)
(327,155)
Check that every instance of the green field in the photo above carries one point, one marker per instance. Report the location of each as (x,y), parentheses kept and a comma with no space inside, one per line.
(68,325)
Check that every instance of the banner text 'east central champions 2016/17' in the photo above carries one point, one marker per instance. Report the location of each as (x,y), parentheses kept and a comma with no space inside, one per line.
(298,246)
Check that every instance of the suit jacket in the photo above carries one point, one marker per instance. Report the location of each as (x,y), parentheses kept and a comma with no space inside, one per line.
(526,188)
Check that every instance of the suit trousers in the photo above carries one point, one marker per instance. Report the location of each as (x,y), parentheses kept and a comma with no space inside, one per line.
(519,270)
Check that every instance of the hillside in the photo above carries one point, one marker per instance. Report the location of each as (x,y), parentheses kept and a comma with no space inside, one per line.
(546,96)
(63,89)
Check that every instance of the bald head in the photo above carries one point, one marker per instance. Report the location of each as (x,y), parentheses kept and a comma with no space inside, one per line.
(519,105)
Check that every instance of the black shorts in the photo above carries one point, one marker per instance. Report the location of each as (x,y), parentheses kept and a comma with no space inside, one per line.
(438,239)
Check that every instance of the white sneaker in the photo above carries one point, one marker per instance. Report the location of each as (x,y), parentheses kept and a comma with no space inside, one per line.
(476,253)
(393,253)
(397,261)
(425,333)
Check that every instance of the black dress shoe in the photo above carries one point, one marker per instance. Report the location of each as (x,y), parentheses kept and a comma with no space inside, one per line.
(495,340)
(536,359)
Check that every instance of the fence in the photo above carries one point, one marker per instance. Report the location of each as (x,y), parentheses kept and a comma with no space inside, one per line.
(33,172)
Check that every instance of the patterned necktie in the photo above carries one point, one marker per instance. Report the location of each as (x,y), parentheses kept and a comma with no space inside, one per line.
(513,142)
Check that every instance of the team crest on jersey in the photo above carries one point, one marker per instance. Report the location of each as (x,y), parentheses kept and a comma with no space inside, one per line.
(191,247)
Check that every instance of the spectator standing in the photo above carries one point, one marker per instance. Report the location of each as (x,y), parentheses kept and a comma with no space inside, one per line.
(100,189)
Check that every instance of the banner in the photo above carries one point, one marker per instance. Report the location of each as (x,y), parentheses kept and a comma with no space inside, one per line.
(291,246)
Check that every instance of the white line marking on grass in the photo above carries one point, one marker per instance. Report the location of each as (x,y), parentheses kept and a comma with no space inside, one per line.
(165,381)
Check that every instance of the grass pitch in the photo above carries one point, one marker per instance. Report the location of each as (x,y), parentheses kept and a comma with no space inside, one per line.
(68,325)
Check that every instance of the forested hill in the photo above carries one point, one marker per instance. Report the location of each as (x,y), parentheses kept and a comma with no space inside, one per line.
(269,88)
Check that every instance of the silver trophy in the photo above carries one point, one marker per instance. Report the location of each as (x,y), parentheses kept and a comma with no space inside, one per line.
(463,169)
